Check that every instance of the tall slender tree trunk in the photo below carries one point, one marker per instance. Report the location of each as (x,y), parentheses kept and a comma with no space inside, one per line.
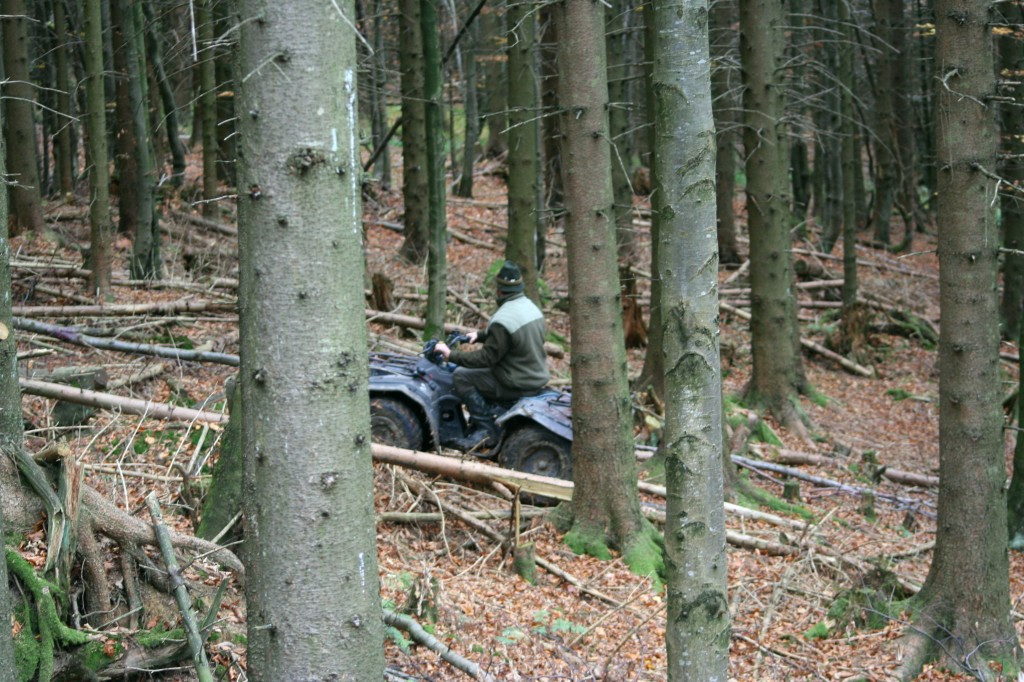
(101,230)
(697,623)
(126,142)
(10,417)
(379,98)
(495,110)
(777,376)
(472,114)
(145,259)
(524,150)
(19,98)
(725,104)
(606,508)
(886,178)
(963,610)
(312,578)
(169,120)
(207,104)
(436,228)
(616,37)
(1011,53)
(65,149)
(414,135)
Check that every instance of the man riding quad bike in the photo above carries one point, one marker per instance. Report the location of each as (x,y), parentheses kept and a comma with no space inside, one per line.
(513,416)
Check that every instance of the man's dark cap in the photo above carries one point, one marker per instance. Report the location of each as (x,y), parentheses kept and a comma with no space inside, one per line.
(510,279)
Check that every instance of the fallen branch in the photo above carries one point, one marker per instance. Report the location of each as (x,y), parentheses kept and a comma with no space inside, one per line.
(195,641)
(106,401)
(79,339)
(783,456)
(424,638)
(811,345)
(163,308)
(199,221)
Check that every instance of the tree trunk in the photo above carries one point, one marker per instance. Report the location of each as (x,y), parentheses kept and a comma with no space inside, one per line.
(850,161)
(723,46)
(145,258)
(472,115)
(697,623)
(524,150)
(617,14)
(125,161)
(379,97)
(606,508)
(495,110)
(19,97)
(64,147)
(436,227)
(963,610)
(414,136)
(776,377)
(101,230)
(312,590)
(10,419)
(886,177)
(1011,53)
(207,104)
(155,54)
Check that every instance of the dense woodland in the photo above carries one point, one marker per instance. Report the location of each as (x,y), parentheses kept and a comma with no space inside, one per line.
(778,247)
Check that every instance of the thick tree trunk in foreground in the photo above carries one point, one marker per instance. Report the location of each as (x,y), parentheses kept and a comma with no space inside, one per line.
(313,595)
(606,507)
(697,623)
(10,419)
(963,611)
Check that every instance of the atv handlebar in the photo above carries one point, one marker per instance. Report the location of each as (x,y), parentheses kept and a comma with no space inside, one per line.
(454,339)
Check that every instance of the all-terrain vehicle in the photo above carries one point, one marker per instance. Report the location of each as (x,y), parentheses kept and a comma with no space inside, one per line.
(413,405)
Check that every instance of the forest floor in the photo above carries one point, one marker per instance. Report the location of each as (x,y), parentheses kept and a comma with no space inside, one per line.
(609,625)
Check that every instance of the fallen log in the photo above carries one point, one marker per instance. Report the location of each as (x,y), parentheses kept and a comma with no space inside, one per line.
(163,308)
(107,401)
(784,456)
(811,345)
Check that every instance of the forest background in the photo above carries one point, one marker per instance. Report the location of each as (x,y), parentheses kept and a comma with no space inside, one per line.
(858,101)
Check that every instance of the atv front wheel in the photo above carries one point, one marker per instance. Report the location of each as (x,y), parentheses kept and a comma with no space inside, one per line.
(394,423)
(533,449)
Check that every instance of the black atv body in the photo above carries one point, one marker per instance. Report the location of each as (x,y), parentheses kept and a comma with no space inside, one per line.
(413,405)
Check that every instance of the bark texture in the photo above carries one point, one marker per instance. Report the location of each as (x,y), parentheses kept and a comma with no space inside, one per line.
(10,417)
(414,136)
(19,96)
(964,608)
(313,595)
(524,150)
(101,230)
(605,504)
(776,377)
(697,624)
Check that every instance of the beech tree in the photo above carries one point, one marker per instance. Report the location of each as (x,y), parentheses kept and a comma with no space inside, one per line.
(312,582)
(697,622)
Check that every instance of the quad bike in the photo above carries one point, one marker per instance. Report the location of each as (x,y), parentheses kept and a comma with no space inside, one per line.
(413,405)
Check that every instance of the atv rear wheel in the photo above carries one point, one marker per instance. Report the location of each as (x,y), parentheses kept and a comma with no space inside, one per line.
(533,449)
(394,423)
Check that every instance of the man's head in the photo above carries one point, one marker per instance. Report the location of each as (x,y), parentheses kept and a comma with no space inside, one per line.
(509,280)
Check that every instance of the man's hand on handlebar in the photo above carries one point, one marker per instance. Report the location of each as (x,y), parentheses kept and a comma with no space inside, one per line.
(443,348)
